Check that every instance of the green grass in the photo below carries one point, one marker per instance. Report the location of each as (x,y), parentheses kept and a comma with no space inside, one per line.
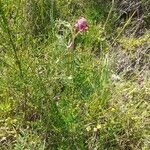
(55,98)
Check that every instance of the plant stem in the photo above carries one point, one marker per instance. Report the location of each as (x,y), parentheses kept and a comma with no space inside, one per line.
(18,63)
(14,47)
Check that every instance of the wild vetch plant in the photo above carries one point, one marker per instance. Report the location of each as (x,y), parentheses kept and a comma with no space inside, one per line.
(80,26)
(70,82)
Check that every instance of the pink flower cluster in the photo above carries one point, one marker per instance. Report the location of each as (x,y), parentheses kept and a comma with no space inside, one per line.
(81,25)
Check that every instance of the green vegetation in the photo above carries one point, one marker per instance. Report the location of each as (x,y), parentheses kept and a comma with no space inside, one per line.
(94,96)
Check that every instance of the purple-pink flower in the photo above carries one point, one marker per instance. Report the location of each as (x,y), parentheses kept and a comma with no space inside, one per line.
(81,25)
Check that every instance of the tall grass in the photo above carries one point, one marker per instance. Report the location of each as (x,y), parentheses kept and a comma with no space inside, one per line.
(56,98)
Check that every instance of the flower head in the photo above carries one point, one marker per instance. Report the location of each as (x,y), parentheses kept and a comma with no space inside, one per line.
(113,109)
(81,25)
(95,129)
(88,128)
(98,126)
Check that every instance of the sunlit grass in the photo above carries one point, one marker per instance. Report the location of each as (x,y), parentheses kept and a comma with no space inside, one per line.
(53,97)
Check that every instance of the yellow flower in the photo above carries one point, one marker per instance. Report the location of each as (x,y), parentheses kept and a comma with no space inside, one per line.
(129,113)
(113,109)
(98,126)
(88,128)
(95,129)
